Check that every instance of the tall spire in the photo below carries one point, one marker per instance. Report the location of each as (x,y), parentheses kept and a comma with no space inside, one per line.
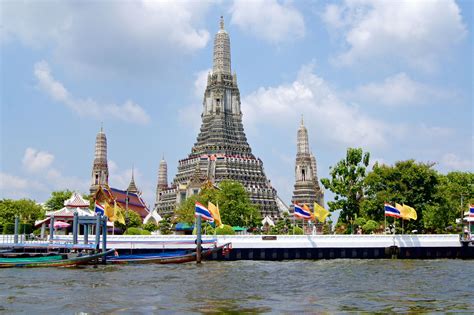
(302,145)
(221,51)
(100,169)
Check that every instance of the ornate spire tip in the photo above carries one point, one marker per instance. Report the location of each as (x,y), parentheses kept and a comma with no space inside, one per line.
(222,23)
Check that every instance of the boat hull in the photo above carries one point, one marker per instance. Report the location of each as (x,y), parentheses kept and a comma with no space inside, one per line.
(177,259)
(51,261)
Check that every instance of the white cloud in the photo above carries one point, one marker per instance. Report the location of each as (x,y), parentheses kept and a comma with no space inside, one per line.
(418,32)
(399,90)
(454,163)
(36,161)
(312,96)
(269,20)
(129,111)
(8,181)
(115,37)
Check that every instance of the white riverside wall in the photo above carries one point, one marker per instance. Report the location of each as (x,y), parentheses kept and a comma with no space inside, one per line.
(277,241)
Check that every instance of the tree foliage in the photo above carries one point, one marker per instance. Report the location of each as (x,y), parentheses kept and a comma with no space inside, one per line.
(132,219)
(56,201)
(233,201)
(225,230)
(347,182)
(165,225)
(28,211)
(455,192)
(406,182)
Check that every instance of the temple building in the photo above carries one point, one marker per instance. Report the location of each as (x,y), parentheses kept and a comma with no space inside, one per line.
(100,169)
(129,198)
(221,150)
(307,189)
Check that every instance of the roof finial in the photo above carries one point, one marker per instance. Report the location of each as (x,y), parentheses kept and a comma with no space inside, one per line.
(302,121)
(222,23)
(101,126)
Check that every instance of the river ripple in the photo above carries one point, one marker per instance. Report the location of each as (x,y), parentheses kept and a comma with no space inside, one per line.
(325,286)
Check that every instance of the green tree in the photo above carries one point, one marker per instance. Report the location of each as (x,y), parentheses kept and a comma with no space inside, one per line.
(370,226)
(347,183)
(409,182)
(165,225)
(455,192)
(28,211)
(150,226)
(132,219)
(56,201)
(234,205)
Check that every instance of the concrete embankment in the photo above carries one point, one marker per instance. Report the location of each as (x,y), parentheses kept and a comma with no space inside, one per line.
(280,247)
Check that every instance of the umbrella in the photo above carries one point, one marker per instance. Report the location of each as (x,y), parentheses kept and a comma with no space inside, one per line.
(61,224)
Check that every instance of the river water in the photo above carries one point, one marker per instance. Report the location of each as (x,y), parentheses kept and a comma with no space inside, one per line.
(332,286)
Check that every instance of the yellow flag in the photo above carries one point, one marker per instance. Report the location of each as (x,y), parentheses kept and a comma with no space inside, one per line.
(215,213)
(118,214)
(403,211)
(320,213)
(411,213)
(109,212)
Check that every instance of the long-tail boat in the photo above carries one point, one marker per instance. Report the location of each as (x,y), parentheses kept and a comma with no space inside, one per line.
(60,260)
(175,257)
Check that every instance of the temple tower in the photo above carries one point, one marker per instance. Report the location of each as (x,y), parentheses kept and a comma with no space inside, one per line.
(307,189)
(100,169)
(162,179)
(132,187)
(221,150)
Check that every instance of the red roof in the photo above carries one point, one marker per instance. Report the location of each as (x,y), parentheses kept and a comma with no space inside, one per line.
(135,202)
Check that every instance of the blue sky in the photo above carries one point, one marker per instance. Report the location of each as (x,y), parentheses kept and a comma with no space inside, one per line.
(392,77)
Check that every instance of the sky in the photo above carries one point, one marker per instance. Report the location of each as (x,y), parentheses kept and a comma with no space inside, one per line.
(392,77)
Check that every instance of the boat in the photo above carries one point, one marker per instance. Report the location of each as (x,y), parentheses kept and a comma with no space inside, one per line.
(60,260)
(175,257)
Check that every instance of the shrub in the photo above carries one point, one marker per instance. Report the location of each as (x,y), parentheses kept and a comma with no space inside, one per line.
(370,226)
(136,231)
(297,230)
(360,221)
(208,229)
(225,230)
(150,226)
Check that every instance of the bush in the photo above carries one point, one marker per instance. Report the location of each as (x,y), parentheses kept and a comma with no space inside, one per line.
(370,226)
(150,226)
(9,228)
(225,230)
(136,231)
(297,230)
(208,229)
(360,221)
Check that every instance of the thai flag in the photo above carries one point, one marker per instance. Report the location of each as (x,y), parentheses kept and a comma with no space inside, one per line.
(99,209)
(471,211)
(391,211)
(201,211)
(300,212)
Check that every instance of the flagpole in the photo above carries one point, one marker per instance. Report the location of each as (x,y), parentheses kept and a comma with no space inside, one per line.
(384,224)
